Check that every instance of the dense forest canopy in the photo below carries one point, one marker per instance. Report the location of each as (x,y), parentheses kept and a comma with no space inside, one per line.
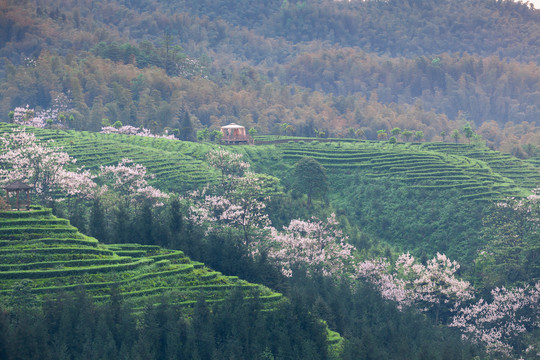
(320,66)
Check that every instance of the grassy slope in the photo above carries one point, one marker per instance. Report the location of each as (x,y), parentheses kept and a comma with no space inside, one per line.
(57,258)
(477,172)
(173,163)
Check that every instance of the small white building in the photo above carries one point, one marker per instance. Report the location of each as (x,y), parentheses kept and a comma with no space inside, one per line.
(234,134)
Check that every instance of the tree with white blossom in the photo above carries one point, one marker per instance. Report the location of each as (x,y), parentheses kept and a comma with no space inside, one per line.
(130,181)
(25,115)
(132,130)
(315,246)
(501,323)
(239,202)
(431,287)
(242,207)
(46,168)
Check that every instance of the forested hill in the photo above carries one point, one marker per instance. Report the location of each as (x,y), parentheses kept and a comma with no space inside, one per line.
(409,28)
(307,68)
(399,28)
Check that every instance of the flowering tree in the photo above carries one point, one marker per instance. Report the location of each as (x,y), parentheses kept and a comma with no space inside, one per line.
(435,284)
(500,323)
(317,246)
(129,180)
(391,287)
(230,164)
(430,287)
(54,114)
(44,167)
(242,207)
(132,130)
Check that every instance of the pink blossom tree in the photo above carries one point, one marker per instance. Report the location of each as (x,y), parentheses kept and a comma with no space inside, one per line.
(44,167)
(434,286)
(130,182)
(502,323)
(241,207)
(239,203)
(378,272)
(132,130)
(30,117)
(430,287)
(314,245)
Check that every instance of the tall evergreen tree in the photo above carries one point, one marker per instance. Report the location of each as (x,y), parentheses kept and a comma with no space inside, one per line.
(187,133)
(97,221)
(310,178)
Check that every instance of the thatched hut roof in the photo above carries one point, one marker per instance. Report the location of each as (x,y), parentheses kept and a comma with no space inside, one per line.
(17,185)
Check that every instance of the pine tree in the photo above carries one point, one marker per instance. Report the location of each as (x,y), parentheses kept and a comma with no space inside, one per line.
(97,221)
(187,132)
(310,178)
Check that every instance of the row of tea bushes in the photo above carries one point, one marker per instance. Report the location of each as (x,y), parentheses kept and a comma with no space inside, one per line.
(49,264)
(422,165)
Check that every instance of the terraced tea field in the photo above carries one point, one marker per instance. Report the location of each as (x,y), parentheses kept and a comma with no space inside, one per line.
(57,258)
(479,173)
(524,173)
(174,170)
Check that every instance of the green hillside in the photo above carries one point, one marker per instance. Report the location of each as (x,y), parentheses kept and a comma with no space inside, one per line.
(475,171)
(390,195)
(175,168)
(419,197)
(57,258)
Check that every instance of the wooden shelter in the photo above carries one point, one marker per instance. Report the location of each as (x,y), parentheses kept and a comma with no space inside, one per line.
(17,187)
(234,134)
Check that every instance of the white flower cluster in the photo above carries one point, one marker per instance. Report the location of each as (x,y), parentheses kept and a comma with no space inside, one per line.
(30,117)
(132,130)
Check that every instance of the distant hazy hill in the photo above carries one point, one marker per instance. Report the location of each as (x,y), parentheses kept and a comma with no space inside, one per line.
(319,66)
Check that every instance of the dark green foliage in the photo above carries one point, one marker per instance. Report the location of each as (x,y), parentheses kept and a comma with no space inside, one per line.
(121,228)
(97,225)
(73,327)
(145,224)
(310,178)
(187,132)
(175,217)
(511,251)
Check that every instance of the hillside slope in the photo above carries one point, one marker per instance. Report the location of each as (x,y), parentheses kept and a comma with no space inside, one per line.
(475,171)
(175,165)
(423,197)
(46,256)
